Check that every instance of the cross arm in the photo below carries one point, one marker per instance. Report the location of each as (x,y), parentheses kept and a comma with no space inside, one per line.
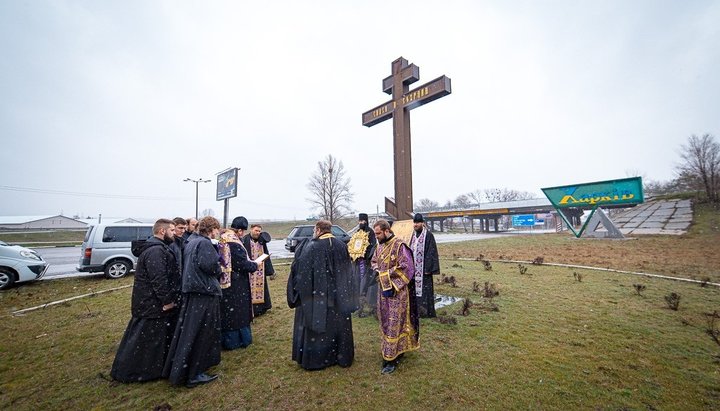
(378,114)
(430,91)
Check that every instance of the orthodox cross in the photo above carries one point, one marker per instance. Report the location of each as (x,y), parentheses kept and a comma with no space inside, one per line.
(403,100)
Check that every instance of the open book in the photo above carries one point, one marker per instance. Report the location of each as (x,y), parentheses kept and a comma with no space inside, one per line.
(261,258)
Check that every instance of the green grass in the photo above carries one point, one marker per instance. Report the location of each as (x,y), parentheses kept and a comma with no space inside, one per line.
(695,255)
(555,343)
(44,238)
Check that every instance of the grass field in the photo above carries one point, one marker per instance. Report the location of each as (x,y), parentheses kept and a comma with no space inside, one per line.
(44,238)
(547,341)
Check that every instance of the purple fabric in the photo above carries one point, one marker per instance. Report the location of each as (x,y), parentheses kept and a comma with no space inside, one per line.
(398,314)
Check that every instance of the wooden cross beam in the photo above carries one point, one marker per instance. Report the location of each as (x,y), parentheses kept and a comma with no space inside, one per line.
(398,108)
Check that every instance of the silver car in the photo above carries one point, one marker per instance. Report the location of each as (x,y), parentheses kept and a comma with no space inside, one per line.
(19,264)
(106,248)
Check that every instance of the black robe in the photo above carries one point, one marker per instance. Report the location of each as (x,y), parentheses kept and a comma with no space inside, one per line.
(236,302)
(426,303)
(144,346)
(322,291)
(367,283)
(196,342)
(259,309)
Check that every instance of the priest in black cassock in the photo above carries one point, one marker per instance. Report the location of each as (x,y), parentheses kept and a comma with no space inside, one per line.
(361,248)
(236,304)
(144,346)
(196,343)
(427,264)
(324,295)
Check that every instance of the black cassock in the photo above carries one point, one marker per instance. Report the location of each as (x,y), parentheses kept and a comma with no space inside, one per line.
(362,268)
(322,291)
(426,303)
(196,342)
(144,346)
(236,303)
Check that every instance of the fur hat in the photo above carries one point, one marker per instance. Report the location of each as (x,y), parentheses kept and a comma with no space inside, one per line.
(239,223)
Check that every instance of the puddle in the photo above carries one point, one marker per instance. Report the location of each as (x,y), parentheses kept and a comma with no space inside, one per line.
(445,300)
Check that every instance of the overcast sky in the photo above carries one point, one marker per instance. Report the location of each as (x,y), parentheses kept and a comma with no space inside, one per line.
(114,103)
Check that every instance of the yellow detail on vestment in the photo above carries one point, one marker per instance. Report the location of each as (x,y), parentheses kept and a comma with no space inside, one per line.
(384,280)
(359,242)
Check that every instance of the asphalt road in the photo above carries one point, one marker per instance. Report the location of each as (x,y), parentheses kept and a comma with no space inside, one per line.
(63,260)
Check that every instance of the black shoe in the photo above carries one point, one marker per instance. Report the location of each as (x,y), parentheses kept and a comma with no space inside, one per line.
(201,378)
(388,367)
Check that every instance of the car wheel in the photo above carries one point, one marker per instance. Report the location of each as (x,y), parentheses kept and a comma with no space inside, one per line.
(7,278)
(117,269)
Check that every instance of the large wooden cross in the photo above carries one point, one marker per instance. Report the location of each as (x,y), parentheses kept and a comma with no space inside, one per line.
(403,100)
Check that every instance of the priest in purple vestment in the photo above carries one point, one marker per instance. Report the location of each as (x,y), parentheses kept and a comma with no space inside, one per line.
(397,309)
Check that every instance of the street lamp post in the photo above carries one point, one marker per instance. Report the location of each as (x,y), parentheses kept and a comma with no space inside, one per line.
(199,180)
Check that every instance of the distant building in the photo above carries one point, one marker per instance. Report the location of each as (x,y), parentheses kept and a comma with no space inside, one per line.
(42,222)
(125,221)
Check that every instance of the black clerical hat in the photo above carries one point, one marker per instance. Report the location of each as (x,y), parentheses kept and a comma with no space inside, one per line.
(363,216)
(239,223)
(418,218)
(265,237)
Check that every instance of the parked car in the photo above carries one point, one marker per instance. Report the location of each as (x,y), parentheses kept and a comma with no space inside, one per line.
(301,232)
(19,264)
(106,248)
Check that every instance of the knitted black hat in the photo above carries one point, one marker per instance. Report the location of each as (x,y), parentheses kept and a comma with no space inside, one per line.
(418,218)
(363,216)
(239,223)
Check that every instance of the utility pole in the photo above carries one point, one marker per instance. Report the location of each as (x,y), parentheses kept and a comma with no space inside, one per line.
(199,180)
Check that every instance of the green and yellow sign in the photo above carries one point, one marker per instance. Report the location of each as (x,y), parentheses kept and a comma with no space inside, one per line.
(626,191)
(601,193)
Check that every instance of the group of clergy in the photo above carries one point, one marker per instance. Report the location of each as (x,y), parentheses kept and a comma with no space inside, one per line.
(330,280)
(195,292)
(197,288)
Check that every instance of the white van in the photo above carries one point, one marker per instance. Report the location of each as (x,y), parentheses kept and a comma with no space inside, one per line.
(106,248)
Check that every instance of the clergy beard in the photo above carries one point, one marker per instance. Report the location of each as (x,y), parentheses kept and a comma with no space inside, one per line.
(388,238)
(363,226)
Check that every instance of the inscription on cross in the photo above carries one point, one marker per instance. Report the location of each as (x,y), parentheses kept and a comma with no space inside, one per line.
(398,108)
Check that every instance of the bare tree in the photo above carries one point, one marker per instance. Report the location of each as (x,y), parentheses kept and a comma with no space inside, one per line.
(462,201)
(701,162)
(476,196)
(330,189)
(207,212)
(494,195)
(426,204)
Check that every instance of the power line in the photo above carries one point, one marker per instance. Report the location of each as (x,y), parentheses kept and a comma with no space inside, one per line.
(93,195)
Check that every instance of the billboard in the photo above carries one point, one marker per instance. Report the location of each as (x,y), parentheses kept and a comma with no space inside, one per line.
(601,193)
(227,184)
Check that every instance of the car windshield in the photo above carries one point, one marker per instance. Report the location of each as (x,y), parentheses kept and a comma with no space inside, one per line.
(3,243)
(305,231)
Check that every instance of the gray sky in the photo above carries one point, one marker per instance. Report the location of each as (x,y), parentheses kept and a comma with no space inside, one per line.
(128,98)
